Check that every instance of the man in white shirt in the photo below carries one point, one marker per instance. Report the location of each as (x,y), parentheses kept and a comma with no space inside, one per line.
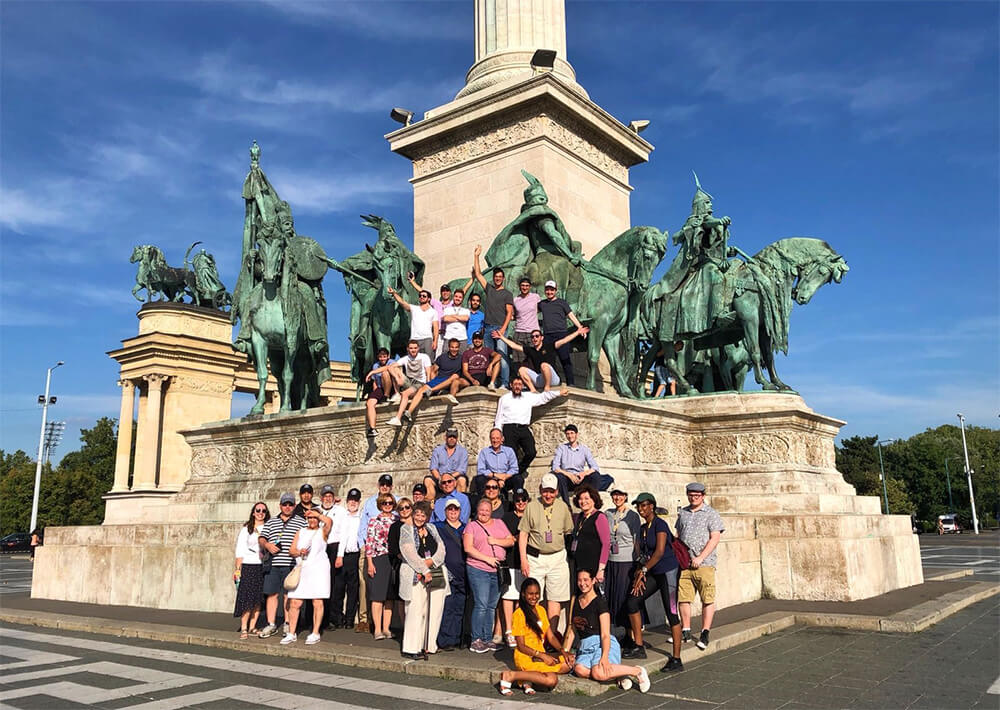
(415,368)
(346,577)
(334,511)
(514,417)
(454,318)
(423,321)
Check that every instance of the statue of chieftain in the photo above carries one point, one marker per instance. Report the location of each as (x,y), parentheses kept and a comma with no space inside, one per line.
(278,297)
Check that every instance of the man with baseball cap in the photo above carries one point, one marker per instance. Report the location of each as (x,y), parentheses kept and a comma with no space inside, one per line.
(447,491)
(276,537)
(368,511)
(306,502)
(333,510)
(419,493)
(347,565)
(554,312)
(449,457)
(542,545)
(450,529)
(700,527)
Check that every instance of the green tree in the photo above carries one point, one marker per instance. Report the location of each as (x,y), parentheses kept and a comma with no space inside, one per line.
(97,455)
(17,481)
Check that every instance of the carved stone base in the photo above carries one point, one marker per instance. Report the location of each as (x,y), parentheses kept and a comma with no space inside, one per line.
(794,528)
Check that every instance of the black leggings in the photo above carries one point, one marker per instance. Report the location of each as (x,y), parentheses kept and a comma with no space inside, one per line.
(666,585)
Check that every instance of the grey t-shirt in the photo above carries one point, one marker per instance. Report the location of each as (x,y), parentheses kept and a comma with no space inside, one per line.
(694,527)
(624,530)
(554,314)
(495,304)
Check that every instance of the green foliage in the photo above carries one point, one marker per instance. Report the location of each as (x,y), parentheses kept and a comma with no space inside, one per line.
(915,471)
(70,494)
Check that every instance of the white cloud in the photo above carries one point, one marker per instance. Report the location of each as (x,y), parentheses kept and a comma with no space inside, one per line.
(334,193)
(382,20)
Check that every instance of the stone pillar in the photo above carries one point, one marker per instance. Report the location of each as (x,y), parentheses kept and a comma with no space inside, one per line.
(148,445)
(124,452)
(507,34)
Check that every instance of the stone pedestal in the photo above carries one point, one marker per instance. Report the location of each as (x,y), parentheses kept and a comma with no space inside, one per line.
(794,528)
(184,369)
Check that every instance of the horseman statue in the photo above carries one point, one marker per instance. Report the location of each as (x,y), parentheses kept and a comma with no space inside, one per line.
(377,321)
(536,244)
(278,297)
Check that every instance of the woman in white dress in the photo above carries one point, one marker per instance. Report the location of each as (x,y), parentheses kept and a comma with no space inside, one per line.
(309,549)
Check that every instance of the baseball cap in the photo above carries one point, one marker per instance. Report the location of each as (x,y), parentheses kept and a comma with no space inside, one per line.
(618,492)
(549,480)
(354,494)
(305,488)
(287,498)
(550,284)
(452,502)
(451,432)
(326,489)
(644,498)
(521,494)
(385,480)
(420,488)
(696,487)
(477,335)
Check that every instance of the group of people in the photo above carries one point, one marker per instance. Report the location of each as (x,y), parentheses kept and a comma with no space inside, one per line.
(452,347)
(482,573)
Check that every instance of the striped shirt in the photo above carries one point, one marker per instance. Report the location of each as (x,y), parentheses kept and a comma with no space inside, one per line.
(281,533)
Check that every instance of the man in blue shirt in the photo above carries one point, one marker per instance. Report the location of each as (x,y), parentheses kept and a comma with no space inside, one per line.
(448,492)
(574,465)
(449,457)
(451,529)
(476,316)
(498,461)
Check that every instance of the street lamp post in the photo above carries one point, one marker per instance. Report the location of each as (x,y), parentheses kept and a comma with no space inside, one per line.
(968,476)
(881,468)
(44,399)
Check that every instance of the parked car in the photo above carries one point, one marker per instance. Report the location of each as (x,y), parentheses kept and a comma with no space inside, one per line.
(948,524)
(16,542)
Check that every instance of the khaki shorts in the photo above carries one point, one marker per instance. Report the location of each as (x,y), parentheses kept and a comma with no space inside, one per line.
(552,573)
(701,580)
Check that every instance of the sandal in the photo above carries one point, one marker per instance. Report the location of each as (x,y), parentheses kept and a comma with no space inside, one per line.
(505,688)
(528,689)
(244,635)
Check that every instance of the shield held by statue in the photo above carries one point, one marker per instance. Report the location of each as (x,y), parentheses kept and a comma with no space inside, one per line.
(308,258)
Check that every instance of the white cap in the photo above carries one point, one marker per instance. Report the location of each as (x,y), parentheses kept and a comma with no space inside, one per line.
(549,480)
(452,502)
(550,284)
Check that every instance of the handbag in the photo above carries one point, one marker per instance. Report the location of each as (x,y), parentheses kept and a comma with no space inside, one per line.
(682,552)
(292,580)
(437,578)
(503,569)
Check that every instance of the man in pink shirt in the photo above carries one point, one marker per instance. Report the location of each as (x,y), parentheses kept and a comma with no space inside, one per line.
(525,317)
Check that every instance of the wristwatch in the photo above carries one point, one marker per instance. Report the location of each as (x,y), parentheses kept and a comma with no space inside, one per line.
(644,570)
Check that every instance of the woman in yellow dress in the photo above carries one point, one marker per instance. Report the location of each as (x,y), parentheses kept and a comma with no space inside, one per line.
(530,626)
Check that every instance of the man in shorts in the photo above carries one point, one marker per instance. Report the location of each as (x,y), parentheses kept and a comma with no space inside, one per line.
(554,312)
(525,317)
(542,546)
(479,363)
(700,527)
(413,371)
(446,373)
(276,537)
(454,320)
(539,369)
(382,388)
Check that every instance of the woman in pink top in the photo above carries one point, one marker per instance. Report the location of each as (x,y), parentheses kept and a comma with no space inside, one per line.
(485,541)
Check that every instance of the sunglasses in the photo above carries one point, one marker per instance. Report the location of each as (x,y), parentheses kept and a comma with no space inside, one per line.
(260,510)
(389,503)
(404,507)
(493,488)
(284,504)
(447,480)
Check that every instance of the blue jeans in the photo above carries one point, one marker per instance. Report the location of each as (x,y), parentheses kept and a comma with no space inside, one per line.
(500,347)
(485,594)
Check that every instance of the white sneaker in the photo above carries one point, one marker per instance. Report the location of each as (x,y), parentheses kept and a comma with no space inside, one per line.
(289,638)
(491,386)
(394,422)
(394,399)
(408,415)
(311,639)
(625,683)
(285,629)
(643,679)
(451,398)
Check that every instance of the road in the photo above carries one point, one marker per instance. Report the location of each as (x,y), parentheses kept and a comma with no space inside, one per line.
(15,574)
(980,553)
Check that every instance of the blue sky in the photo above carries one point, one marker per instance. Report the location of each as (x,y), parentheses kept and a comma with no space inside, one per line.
(871,125)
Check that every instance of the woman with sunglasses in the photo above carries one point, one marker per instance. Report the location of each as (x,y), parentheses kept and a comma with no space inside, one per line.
(423,552)
(404,509)
(510,595)
(485,541)
(378,566)
(249,576)
(491,493)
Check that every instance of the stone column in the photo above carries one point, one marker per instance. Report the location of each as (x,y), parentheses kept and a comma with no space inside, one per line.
(124,451)
(507,34)
(148,445)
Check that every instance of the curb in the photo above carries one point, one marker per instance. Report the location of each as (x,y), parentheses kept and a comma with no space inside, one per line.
(729,636)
